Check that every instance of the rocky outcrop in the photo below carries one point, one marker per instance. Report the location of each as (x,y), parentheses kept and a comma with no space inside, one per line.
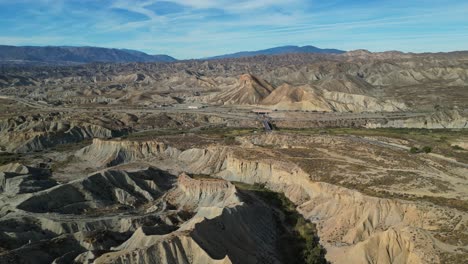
(175,249)
(38,132)
(249,90)
(192,193)
(105,153)
(224,230)
(114,152)
(16,178)
(133,215)
(100,190)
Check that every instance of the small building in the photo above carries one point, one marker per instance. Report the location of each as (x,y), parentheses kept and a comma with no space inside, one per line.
(196,106)
(262,111)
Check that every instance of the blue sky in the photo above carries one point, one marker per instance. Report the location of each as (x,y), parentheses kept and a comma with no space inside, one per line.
(199,28)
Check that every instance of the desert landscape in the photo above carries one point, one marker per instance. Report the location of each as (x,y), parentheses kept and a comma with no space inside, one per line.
(353,157)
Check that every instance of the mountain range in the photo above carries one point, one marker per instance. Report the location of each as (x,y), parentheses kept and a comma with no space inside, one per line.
(278,51)
(79,55)
(74,55)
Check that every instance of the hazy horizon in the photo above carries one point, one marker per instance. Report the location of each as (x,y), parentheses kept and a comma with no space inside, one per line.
(203,28)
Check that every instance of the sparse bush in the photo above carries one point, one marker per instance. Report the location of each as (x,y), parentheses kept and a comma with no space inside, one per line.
(427,149)
(414,150)
(456,147)
(230,140)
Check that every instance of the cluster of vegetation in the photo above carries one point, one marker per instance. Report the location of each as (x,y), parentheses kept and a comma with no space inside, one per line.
(454,236)
(299,241)
(439,140)
(455,258)
(425,149)
(442,201)
(456,147)
(318,174)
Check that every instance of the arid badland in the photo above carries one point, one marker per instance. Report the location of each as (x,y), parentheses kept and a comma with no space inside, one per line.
(174,162)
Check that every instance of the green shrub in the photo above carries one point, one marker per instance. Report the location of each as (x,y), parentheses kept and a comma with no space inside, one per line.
(456,147)
(427,149)
(315,255)
(414,150)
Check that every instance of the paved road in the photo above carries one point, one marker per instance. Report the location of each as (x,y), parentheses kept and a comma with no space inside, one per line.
(228,112)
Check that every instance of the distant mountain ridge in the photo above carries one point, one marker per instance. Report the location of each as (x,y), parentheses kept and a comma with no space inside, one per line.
(279,50)
(66,55)
(74,55)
